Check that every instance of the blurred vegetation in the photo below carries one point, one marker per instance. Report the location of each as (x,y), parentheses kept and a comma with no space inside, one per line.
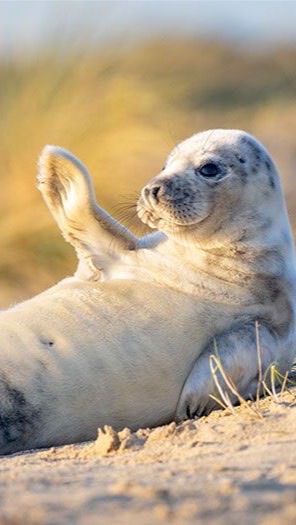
(121,113)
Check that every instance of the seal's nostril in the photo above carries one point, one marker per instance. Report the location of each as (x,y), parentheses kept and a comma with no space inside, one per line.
(151,192)
(155,191)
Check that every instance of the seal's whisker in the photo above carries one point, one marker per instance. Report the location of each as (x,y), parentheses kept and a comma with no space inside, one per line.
(129,217)
(208,138)
(128,202)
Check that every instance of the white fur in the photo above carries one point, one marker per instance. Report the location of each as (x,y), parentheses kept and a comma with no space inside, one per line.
(127,340)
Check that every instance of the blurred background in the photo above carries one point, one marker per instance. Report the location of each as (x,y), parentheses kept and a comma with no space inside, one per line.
(119,83)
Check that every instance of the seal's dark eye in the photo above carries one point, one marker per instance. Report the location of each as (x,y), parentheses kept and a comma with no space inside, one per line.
(209,170)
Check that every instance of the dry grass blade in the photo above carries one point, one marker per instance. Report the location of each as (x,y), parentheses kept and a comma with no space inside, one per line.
(216,366)
(273,382)
(284,384)
(260,378)
(225,402)
(219,402)
(276,379)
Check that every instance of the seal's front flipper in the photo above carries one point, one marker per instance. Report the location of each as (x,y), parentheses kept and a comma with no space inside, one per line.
(67,189)
(234,357)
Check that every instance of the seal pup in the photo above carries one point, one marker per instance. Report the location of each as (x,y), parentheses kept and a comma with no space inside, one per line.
(223,236)
(126,341)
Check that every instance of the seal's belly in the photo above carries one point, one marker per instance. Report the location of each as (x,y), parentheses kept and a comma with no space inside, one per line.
(87,355)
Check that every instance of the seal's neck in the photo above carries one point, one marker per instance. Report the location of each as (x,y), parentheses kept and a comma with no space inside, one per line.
(237,259)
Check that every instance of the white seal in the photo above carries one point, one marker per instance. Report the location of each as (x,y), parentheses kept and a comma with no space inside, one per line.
(127,340)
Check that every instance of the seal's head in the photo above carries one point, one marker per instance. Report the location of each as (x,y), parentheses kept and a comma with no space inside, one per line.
(216,182)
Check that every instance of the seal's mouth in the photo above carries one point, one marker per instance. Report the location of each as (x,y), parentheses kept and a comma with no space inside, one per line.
(168,217)
(147,216)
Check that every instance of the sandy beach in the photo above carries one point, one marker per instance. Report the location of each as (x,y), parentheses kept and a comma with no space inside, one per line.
(224,468)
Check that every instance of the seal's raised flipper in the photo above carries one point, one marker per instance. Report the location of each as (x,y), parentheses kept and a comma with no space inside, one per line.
(67,189)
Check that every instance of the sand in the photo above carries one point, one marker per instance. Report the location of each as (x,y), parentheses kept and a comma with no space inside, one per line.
(222,469)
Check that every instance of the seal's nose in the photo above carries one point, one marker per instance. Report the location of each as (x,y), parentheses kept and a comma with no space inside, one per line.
(155,191)
(152,192)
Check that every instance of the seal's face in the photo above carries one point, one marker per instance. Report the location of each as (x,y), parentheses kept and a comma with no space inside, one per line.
(207,182)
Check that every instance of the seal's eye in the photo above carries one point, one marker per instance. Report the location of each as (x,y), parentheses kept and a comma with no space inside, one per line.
(209,170)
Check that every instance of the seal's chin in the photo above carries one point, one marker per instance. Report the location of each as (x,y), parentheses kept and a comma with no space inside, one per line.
(149,216)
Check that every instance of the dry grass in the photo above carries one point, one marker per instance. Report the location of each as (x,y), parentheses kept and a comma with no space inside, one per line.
(272,383)
(121,113)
